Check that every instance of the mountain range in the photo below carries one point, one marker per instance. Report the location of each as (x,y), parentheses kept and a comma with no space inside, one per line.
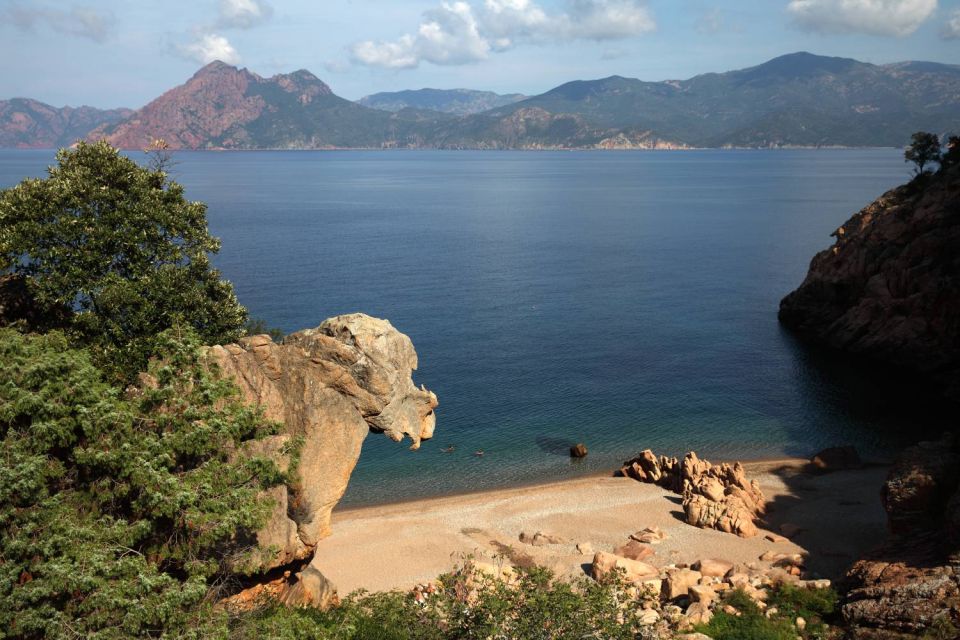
(798,99)
(461,102)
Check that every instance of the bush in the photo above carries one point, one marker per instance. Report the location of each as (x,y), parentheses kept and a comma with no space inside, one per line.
(120,245)
(119,511)
(753,624)
(533,606)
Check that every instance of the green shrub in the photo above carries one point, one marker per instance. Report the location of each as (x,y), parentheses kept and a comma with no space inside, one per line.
(120,511)
(534,606)
(751,624)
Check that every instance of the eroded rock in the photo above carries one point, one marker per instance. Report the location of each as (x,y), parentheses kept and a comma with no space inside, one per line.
(714,496)
(328,387)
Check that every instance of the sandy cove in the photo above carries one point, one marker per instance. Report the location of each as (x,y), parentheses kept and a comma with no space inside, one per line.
(397,546)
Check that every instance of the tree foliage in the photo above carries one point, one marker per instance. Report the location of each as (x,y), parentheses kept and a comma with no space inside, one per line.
(120,245)
(119,510)
(923,149)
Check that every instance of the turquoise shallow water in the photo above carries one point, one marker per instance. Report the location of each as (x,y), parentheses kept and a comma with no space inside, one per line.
(626,300)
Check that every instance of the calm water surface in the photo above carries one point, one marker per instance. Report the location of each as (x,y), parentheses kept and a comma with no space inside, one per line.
(625,300)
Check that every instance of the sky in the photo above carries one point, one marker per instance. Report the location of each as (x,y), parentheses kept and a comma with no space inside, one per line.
(113,53)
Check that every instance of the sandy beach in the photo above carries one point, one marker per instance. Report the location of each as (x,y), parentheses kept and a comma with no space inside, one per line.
(397,546)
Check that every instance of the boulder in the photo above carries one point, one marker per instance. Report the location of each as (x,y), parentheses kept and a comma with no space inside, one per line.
(650,535)
(702,593)
(837,459)
(578,451)
(911,583)
(713,567)
(678,582)
(714,496)
(634,550)
(328,388)
(540,539)
(699,613)
(585,548)
(605,564)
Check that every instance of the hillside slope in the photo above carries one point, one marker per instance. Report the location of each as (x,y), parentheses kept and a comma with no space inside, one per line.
(29,123)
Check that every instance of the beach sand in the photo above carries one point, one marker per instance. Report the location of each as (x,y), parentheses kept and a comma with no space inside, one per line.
(397,546)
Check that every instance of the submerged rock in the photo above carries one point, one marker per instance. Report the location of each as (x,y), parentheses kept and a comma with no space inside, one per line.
(328,387)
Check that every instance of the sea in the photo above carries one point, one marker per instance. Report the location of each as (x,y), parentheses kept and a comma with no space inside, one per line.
(625,300)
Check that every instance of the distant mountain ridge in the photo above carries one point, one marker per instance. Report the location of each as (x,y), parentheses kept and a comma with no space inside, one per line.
(31,123)
(461,102)
(798,99)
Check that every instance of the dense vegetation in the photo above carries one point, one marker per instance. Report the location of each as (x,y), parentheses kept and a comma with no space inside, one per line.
(123,509)
(119,247)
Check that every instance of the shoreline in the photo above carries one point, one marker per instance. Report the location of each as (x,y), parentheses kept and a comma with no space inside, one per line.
(752,466)
(524,149)
(835,518)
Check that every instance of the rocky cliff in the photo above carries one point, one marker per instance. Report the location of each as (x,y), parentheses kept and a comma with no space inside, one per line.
(889,287)
(328,387)
(911,585)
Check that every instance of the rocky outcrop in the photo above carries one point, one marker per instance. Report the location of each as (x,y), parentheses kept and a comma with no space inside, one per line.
(328,387)
(889,287)
(714,496)
(912,583)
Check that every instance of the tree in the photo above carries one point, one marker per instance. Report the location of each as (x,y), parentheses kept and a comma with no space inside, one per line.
(118,510)
(924,148)
(951,156)
(119,245)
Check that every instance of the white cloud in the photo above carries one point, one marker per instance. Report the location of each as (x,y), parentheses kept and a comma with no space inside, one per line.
(951,29)
(874,17)
(78,20)
(243,14)
(609,19)
(460,32)
(207,47)
(447,35)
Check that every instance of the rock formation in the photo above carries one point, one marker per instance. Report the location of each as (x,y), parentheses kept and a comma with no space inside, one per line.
(328,387)
(912,582)
(714,496)
(889,287)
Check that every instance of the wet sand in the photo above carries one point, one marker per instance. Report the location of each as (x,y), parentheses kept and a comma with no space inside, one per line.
(396,546)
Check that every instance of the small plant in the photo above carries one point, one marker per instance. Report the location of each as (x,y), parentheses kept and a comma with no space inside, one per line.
(751,623)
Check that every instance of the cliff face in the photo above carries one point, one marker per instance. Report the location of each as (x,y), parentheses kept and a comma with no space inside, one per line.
(889,287)
(328,387)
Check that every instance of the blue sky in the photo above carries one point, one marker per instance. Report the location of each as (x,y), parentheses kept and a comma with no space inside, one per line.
(109,53)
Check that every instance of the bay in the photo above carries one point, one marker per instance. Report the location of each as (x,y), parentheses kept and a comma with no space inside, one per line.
(622,299)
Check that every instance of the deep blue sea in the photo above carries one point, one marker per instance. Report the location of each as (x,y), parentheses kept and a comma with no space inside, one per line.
(623,299)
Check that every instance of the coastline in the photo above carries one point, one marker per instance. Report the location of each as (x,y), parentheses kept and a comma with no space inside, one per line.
(399,545)
(752,465)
